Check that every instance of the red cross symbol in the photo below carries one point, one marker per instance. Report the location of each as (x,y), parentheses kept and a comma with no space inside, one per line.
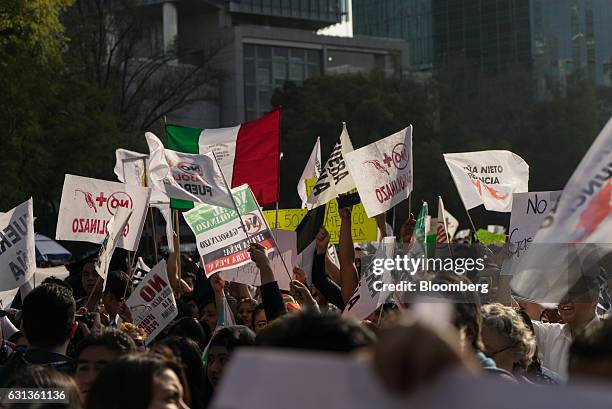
(387,160)
(101,199)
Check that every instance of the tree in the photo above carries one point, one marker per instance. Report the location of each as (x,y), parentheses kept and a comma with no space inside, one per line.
(144,82)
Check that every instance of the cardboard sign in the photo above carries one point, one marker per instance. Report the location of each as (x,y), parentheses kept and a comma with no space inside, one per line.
(220,236)
(152,303)
(17,246)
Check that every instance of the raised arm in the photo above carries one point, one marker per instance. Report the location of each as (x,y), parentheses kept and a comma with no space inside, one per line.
(322,282)
(348,272)
(270,293)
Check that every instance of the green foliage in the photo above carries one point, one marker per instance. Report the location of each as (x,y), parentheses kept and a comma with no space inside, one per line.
(475,113)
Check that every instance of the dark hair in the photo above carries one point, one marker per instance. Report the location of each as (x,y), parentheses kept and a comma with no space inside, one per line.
(315,331)
(593,344)
(258,307)
(127,383)
(35,376)
(466,305)
(233,336)
(113,339)
(48,315)
(189,356)
(189,327)
(118,284)
(58,281)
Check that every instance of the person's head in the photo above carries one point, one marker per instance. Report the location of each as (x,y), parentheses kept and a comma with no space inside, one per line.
(140,381)
(89,277)
(578,307)
(315,331)
(189,355)
(48,317)
(221,347)
(506,337)
(36,376)
(258,318)
(137,334)
(208,314)
(117,288)
(96,351)
(190,328)
(590,354)
(246,306)
(466,305)
(190,300)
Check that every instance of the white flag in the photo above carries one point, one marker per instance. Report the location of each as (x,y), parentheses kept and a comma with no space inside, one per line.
(130,167)
(88,204)
(335,178)
(312,170)
(17,247)
(488,177)
(187,176)
(584,211)
(116,228)
(442,236)
(382,171)
(576,233)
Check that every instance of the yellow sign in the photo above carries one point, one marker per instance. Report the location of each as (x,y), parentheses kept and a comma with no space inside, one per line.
(364,228)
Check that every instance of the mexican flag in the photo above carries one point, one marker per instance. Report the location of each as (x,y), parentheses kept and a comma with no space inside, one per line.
(247,153)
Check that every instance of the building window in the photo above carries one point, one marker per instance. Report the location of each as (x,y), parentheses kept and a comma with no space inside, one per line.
(267,68)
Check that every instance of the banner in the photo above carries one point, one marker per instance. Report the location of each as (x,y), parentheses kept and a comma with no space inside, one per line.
(311,170)
(368,295)
(115,227)
(152,303)
(17,246)
(88,204)
(186,176)
(249,273)
(335,177)
(488,177)
(382,171)
(363,228)
(220,237)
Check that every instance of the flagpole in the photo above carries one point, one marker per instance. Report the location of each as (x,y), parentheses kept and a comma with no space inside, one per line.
(278,191)
(177,250)
(229,192)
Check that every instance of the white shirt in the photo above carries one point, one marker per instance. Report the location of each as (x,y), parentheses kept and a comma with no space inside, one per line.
(554,341)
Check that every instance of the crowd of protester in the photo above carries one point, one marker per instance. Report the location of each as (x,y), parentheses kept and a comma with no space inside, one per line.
(73,335)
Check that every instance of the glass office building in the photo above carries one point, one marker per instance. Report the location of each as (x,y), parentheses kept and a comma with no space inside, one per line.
(410,20)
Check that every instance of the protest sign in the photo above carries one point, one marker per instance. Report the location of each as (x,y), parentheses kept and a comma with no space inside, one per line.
(249,273)
(88,204)
(488,177)
(186,176)
(152,303)
(529,210)
(367,297)
(382,171)
(17,246)
(115,227)
(335,177)
(220,236)
(288,219)
(364,229)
